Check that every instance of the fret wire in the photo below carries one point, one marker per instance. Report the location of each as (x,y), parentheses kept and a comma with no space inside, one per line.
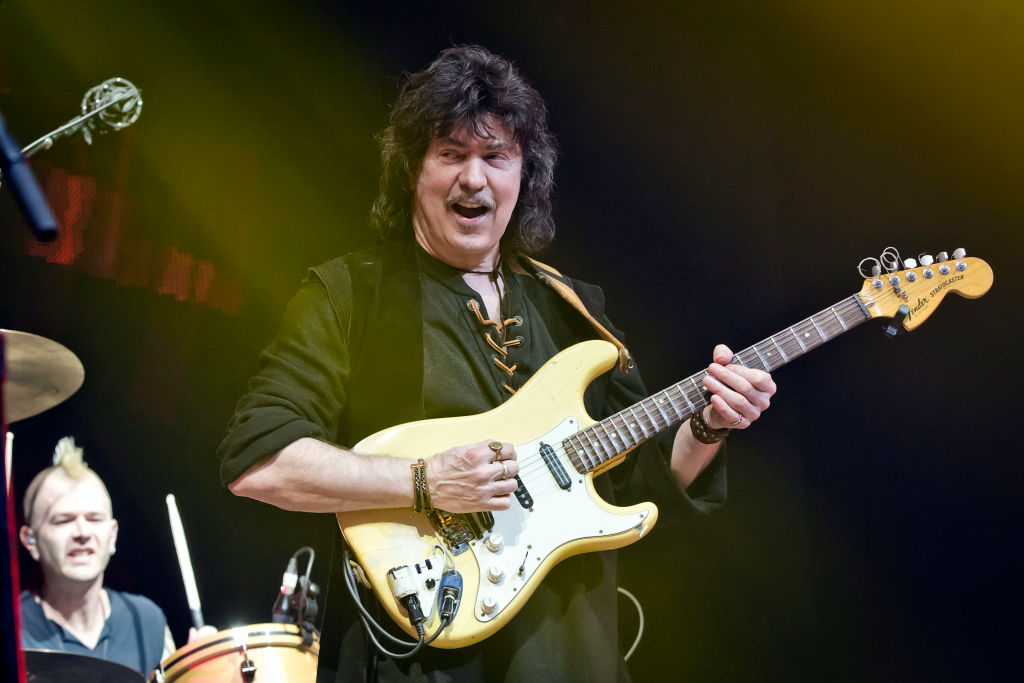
(767,354)
(628,422)
(574,454)
(587,446)
(841,323)
(637,421)
(700,390)
(764,363)
(660,412)
(613,433)
(674,412)
(818,329)
(781,352)
(606,450)
(792,331)
(686,398)
(601,452)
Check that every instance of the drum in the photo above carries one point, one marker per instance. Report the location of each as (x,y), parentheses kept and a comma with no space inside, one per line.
(260,653)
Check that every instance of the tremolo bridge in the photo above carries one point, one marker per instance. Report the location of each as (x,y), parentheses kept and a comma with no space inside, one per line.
(457,530)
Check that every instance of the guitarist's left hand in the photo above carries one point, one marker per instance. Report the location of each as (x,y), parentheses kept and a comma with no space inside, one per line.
(738,397)
(738,394)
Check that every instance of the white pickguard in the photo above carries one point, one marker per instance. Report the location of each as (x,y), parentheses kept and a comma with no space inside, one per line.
(558,516)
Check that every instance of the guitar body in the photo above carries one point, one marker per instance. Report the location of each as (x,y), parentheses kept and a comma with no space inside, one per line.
(501,570)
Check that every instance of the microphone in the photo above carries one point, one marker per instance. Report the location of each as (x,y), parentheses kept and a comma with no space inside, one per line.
(26,190)
(117,102)
(282,612)
(112,105)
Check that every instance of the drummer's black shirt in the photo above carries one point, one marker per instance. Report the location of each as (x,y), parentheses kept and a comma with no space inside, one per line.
(133,634)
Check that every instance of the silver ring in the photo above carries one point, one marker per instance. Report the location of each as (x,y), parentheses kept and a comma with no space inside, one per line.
(736,422)
(504,468)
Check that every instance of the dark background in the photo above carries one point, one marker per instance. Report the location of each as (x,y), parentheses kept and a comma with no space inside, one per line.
(724,168)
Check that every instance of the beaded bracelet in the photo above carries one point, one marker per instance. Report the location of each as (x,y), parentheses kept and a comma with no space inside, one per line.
(703,432)
(421,494)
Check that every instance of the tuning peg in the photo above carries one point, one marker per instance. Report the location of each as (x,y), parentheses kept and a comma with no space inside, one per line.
(926,259)
(875,270)
(942,256)
(909,263)
(959,253)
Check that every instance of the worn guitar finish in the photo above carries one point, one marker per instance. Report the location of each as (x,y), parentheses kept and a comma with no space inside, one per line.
(560,449)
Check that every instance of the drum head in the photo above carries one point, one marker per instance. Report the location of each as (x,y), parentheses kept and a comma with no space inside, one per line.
(275,652)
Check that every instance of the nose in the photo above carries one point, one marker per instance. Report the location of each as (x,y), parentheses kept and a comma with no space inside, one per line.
(81,528)
(473,176)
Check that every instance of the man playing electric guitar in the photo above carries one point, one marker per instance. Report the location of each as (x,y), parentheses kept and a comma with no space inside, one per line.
(449,317)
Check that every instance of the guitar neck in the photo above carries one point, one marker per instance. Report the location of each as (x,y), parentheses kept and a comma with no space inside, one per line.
(606,440)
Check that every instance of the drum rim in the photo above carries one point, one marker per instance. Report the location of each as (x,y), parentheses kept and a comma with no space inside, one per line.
(254,631)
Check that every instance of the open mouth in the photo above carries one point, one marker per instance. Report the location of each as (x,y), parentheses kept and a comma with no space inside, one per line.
(81,552)
(469,211)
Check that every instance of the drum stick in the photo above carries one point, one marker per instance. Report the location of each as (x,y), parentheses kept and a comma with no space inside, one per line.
(8,455)
(185,562)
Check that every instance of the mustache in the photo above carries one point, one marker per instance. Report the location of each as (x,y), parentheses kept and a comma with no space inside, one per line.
(477,199)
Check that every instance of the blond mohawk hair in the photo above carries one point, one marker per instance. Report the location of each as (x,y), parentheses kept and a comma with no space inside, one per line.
(68,457)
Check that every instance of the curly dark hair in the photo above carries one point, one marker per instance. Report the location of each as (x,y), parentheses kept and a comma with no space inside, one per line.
(462,88)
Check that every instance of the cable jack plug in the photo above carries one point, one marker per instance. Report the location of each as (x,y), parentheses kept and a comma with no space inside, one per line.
(403,585)
(449,596)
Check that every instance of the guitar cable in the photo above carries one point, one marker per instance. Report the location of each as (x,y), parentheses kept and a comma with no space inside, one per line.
(370,624)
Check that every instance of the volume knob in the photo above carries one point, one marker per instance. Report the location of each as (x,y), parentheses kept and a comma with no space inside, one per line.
(494,542)
(488,605)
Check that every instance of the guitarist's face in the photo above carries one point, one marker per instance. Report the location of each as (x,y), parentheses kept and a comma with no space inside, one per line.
(465,193)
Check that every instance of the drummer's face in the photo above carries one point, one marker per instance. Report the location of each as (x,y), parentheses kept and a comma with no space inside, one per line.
(75,531)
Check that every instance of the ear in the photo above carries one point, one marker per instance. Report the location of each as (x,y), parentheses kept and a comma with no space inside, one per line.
(113,536)
(28,539)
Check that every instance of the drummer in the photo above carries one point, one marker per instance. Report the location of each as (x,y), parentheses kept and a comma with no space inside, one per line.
(71,532)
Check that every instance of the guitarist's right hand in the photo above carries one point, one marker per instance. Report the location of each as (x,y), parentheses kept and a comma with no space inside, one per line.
(472,478)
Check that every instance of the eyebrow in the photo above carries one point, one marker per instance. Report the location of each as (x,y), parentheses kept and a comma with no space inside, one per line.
(455,142)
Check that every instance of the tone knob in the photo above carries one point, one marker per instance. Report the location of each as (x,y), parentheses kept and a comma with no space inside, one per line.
(494,542)
(495,574)
(488,605)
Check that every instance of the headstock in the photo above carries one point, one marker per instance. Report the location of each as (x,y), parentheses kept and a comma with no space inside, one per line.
(920,288)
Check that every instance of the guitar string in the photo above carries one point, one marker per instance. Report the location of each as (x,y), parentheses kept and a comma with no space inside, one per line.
(658,420)
(594,446)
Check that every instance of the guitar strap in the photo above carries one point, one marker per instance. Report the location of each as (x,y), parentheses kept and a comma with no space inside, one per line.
(560,284)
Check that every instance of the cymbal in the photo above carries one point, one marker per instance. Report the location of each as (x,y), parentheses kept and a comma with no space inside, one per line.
(53,666)
(40,374)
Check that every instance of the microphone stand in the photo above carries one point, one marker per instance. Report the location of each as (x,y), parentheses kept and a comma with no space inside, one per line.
(26,190)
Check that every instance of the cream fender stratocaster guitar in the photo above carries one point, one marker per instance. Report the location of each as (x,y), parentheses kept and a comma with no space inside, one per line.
(501,557)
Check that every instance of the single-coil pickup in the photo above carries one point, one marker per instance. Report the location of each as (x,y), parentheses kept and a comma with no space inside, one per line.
(555,466)
(522,495)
